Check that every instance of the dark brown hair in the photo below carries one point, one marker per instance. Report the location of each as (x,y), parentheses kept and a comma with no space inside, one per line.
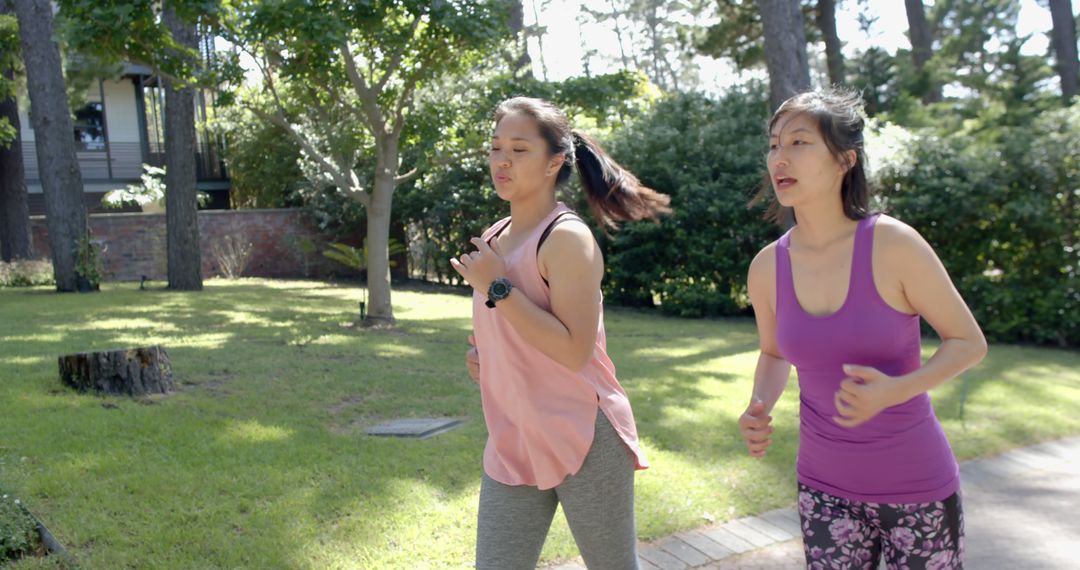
(837,112)
(615,195)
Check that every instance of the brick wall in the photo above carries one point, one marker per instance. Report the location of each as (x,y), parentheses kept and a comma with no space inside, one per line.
(134,243)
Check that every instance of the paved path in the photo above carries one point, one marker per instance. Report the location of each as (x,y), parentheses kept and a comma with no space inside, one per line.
(1021,511)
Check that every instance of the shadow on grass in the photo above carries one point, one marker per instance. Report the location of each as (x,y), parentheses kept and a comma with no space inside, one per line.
(248,443)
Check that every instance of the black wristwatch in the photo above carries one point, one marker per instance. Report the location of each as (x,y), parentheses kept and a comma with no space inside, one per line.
(497,291)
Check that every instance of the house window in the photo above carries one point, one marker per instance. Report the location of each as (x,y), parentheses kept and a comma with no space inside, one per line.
(90,127)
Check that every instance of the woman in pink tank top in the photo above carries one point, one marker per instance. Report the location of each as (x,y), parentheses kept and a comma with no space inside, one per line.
(560,427)
(840,296)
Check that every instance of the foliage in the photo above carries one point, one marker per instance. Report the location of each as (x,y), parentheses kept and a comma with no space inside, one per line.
(150,189)
(26,273)
(135,32)
(356,257)
(263,161)
(1015,192)
(232,253)
(656,37)
(9,60)
(739,34)
(18,530)
(708,156)
(88,261)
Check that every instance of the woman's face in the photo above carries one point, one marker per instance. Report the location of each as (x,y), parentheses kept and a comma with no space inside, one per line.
(519,158)
(801,166)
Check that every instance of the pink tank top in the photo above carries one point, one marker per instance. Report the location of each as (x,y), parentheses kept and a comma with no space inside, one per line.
(540,415)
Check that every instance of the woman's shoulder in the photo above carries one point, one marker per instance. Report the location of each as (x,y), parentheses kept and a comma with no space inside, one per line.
(893,234)
(764,263)
(570,233)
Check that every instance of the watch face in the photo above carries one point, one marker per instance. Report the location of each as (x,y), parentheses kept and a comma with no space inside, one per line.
(499,288)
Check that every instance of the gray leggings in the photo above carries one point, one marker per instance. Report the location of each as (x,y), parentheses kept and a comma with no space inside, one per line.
(598,502)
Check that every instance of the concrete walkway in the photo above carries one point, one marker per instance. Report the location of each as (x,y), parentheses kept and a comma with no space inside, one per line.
(1021,511)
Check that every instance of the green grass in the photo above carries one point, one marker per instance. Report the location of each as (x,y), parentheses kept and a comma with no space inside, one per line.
(259,460)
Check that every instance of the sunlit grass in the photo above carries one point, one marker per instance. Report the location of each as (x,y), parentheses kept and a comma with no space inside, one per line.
(260,459)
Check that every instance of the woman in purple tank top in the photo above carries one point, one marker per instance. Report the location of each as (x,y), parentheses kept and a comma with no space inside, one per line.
(840,296)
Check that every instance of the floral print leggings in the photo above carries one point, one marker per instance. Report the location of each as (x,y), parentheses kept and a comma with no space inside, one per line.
(841,533)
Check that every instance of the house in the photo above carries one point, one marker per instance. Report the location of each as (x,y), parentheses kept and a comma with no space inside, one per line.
(117,130)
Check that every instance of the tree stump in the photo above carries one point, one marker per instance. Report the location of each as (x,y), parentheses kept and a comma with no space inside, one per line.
(130,371)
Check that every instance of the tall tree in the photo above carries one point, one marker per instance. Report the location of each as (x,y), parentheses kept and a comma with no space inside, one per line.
(14,211)
(738,33)
(539,31)
(61,180)
(614,15)
(181,197)
(162,37)
(653,37)
(964,33)
(1064,42)
(522,63)
(341,80)
(922,49)
(826,22)
(785,49)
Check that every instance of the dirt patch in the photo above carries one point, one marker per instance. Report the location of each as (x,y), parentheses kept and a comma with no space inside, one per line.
(345,404)
(215,382)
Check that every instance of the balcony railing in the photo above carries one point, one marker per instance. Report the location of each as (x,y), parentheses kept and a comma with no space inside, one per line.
(208,162)
(124,160)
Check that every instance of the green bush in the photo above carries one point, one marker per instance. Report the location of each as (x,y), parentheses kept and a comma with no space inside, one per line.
(708,155)
(18,531)
(263,161)
(26,273)
(1003,213)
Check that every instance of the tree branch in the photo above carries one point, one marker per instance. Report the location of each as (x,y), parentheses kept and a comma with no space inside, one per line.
(437,162)
(395,60)
(405,102)
(368,97)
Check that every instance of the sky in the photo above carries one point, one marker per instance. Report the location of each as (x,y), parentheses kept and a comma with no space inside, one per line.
(564,42)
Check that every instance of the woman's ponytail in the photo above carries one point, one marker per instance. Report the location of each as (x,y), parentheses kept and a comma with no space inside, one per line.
(615,195)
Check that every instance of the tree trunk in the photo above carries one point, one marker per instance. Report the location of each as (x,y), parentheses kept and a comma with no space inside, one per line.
(922,49)
(14,211)
(181,198)
(132,371)
(826,21)
(379,309)
(61,181)
(618,34)
(539,39)
(652,23)
(523,63)
(785,49)
(1064,42)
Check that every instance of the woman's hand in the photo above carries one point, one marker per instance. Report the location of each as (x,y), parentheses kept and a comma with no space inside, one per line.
(472,360)
(755,429)
(863,394)
(480,267)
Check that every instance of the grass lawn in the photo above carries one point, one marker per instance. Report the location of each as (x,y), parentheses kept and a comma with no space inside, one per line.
(260,461)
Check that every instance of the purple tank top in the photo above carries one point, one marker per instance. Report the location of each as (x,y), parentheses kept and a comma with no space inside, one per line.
(899,456)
